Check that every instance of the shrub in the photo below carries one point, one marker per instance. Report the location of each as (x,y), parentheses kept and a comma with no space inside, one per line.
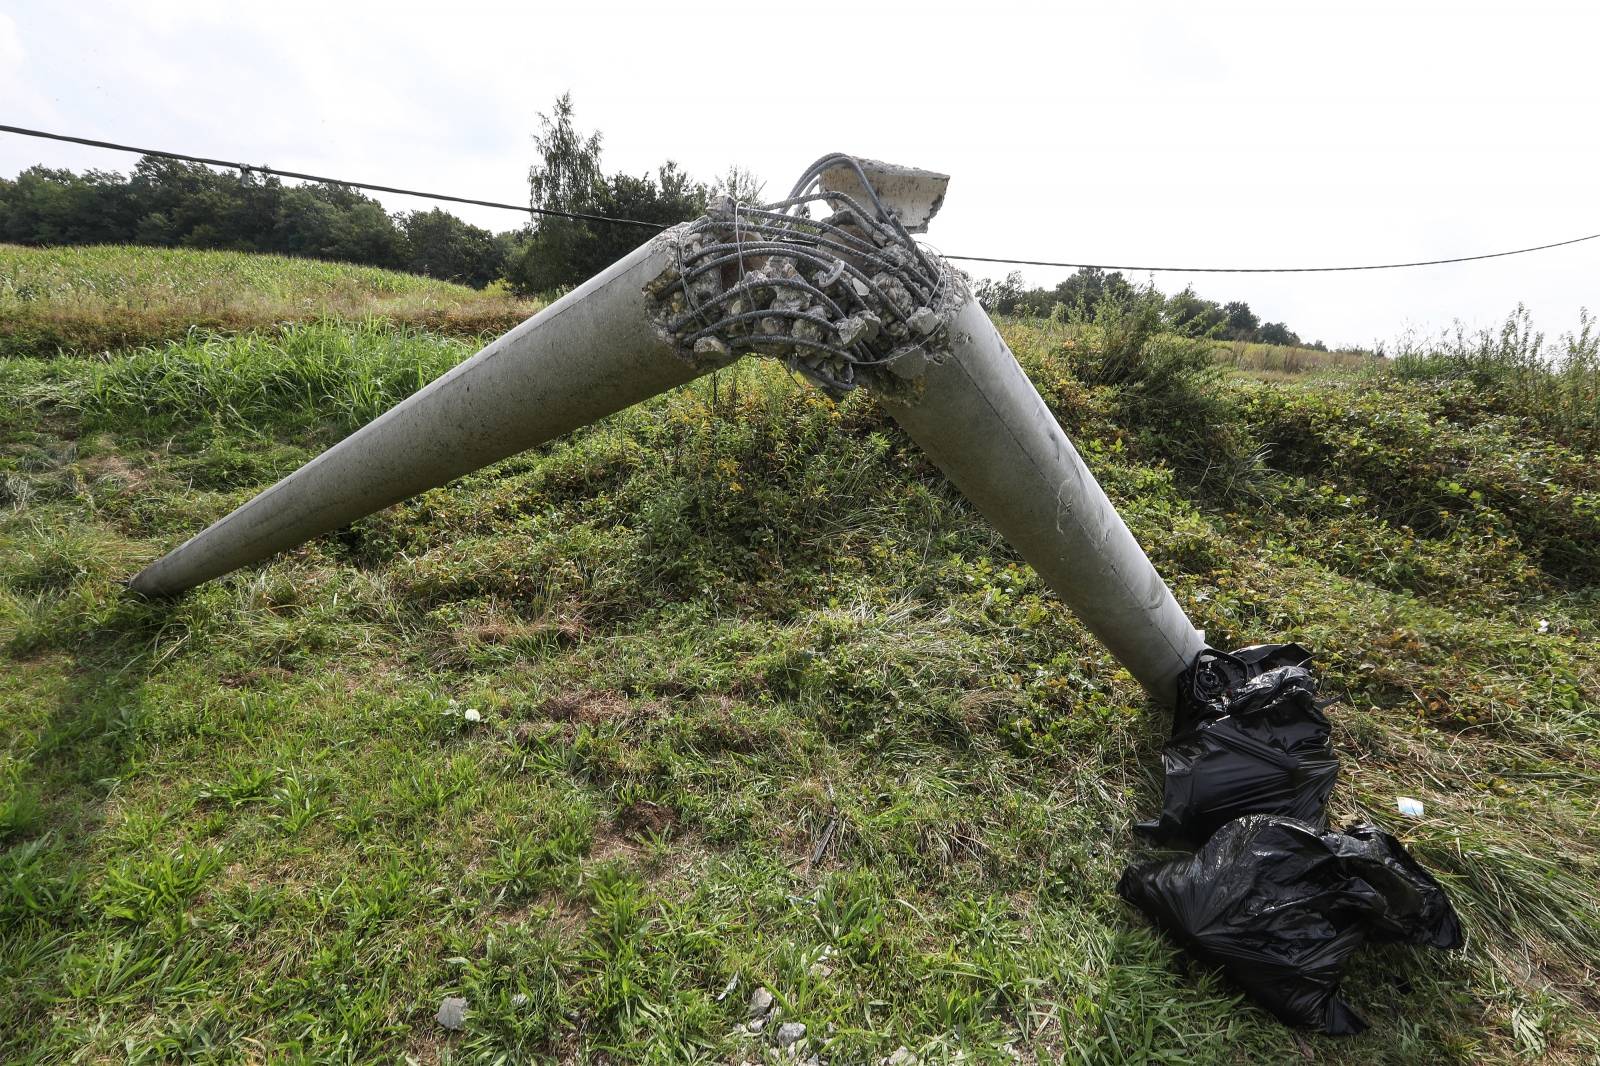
(1514,370)
(1161,378)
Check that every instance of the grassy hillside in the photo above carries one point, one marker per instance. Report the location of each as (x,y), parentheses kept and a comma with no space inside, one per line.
(259,823)
(1261,361)
(1288,359)
(89,299)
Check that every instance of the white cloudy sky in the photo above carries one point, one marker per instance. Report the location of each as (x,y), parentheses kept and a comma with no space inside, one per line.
(1222,133)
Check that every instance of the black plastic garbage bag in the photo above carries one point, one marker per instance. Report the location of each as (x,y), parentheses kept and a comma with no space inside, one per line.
(1280,905)
(1256,743)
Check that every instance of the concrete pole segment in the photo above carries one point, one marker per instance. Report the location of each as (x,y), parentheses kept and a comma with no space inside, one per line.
(981,420)
(846,300)
(591,353)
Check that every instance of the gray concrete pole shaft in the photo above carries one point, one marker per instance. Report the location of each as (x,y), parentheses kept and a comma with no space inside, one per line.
(984,424)
(589,354)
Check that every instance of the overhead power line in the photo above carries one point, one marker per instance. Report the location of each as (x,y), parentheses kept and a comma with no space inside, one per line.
(260,168)
(1274,270)
(528,209)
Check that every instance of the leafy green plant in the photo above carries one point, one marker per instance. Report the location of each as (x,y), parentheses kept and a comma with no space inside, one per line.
(156,887)
(1164,382)
(36,879)
(1516,369)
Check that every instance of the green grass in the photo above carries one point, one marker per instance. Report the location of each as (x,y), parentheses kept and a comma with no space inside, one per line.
(1516,369)
(90,299)
(257,823)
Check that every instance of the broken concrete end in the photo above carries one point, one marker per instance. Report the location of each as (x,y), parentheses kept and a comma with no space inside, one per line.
(913,194)
(828,312)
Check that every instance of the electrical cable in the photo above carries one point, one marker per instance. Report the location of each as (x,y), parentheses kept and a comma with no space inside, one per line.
(1273,270)
(586,217)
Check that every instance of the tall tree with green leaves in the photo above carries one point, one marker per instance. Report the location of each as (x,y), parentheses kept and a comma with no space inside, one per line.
(560,252)
(568,172)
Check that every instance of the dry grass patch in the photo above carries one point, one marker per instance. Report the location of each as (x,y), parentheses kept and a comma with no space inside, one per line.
(80,300)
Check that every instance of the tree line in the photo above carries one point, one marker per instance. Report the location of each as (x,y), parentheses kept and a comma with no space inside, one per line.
(169,203)
(1086,289)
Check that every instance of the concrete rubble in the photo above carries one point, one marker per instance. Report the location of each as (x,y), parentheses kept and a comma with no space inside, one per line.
(841,300)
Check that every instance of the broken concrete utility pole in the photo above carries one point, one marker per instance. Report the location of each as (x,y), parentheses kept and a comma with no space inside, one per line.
(846,299)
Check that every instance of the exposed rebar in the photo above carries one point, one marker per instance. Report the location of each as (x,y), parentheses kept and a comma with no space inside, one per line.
(832,297)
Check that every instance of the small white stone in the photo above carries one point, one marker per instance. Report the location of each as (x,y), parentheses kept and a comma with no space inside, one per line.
(924,320)
(471,714)
(711,346)
(863,326)
(760,1003)
(790,1033)
(902,1056)
(452,1013)
(787,299)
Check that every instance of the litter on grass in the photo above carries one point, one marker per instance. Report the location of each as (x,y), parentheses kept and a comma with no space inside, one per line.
(1249,737)
(1280,905)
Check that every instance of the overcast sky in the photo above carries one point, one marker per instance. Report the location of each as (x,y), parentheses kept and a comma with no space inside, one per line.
(1221,134)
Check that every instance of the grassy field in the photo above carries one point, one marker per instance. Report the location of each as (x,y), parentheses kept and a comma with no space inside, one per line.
(1261,361)
(561,738)
(1288,360)
(92,299)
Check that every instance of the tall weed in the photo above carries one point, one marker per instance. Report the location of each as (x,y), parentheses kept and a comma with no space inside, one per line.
(302,373)
(1164,380)
(1517,370)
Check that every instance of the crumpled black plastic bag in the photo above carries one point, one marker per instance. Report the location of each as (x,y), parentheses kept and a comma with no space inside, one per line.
(1204,687)
(1279,905)
(1250,739)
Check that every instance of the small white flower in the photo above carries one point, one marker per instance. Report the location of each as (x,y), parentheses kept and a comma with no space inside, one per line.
(471,714)
(1544,625)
